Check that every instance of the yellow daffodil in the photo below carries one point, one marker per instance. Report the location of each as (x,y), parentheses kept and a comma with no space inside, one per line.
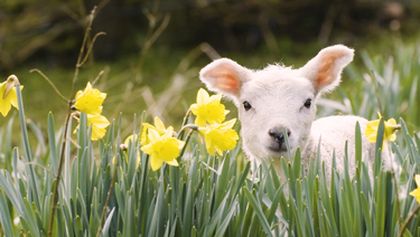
(159,127)
(208,109)
(8,97)
(416,192)
(390,127)
(158,142)
(89,100)
(219,137)
(99,124)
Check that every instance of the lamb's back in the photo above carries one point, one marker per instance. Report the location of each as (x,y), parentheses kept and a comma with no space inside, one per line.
(331,134)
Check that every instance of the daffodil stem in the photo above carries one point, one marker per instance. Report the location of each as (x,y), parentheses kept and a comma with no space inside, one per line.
(144,170)
(187,115)
(108,197)
(395,180)
(188,126)
(186,142)
(50,83)
(408,220)
(60,168)
(26,143)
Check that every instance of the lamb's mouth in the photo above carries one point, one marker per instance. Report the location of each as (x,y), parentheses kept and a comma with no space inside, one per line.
(277,148)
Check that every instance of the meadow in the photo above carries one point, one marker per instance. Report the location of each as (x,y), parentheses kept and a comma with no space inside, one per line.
(56,180)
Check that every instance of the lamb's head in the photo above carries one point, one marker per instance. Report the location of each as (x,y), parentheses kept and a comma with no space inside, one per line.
(276,101)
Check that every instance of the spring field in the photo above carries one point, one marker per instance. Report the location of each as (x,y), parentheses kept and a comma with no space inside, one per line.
(56,181)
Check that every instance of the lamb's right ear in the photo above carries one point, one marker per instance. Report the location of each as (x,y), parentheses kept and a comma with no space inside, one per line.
(224,76)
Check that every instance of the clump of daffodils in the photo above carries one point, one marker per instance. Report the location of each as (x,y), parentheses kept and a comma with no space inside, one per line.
(390,128)
(210,113)
(164,147)
(89,101)
(8,97)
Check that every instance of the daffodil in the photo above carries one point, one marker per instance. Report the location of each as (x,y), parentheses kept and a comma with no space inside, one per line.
(99,124)
(208,109)
(89,100)
(158,126)
(390,127)
(158,142)
(8,97)
(416,192)
(219,137)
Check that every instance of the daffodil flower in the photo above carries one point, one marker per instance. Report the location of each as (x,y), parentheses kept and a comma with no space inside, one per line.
(390,127)
(8,97)
(158,142)
(158,126)
(416,192)
(219,137)
(99,124)
(208,109)
(89,100)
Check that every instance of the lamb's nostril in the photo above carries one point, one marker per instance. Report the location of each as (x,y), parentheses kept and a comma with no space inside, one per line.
(276,135)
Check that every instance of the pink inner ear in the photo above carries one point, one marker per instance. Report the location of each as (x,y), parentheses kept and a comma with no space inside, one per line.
(326,73)
(225,79)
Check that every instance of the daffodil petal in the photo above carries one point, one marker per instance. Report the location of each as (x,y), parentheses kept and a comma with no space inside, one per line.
(202,96)
(417,178)
(416,194)
(172,162)
(159,124)
(4,108)
(155,163)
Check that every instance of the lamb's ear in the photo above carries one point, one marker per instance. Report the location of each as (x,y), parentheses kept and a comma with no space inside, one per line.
(224,76)
(324,70)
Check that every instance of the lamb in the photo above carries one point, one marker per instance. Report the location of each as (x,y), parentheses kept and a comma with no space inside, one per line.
(279,100)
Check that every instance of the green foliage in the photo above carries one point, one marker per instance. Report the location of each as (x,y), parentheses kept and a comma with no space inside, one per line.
(391,84)
(103,192)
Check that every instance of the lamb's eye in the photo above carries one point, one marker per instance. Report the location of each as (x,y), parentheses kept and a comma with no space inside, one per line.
(247,105)
(308,103)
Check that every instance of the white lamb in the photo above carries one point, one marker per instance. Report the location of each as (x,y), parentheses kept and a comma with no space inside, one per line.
(278,100)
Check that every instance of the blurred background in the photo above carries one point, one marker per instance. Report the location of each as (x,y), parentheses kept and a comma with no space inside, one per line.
(152,51)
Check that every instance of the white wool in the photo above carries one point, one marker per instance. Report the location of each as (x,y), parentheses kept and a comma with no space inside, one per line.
(277,95)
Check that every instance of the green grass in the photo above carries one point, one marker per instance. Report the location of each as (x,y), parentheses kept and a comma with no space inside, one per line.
(103,192)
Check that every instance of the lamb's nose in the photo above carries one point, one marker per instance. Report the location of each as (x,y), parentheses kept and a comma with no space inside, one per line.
(278,135)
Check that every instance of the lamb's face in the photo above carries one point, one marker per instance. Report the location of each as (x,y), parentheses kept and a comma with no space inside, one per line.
(276,102)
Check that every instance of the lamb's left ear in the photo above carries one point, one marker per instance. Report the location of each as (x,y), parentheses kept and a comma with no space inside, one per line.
(324,70)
